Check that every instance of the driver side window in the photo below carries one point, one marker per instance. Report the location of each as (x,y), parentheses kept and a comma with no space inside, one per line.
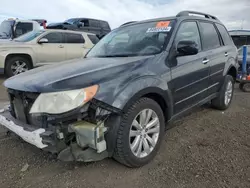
(188,31)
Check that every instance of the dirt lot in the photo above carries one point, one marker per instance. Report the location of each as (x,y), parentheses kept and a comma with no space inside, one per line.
(208,148)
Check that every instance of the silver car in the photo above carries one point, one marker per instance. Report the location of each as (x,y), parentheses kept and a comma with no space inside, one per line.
(43,47)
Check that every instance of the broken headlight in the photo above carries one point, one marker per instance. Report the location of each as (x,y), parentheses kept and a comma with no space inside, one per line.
(64,101)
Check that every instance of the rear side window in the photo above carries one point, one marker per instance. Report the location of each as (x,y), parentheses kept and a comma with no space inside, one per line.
(209,35)
(224,34)
(55,37)
(188,31)
(74,38)
(22,28)
(94,23)
(93,38)
(85,22)
(104,25)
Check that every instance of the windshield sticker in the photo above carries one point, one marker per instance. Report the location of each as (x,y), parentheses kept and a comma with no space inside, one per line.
(158,29)
(162,24)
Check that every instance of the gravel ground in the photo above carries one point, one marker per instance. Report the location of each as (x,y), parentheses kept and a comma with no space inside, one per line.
(207,148)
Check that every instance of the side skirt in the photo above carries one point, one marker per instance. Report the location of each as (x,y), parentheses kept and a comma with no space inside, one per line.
(187,110)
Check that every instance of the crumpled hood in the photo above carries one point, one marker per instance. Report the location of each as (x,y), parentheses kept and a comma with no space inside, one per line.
(74,74)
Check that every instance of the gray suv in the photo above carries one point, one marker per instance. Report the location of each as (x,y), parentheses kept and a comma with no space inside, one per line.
(117,101)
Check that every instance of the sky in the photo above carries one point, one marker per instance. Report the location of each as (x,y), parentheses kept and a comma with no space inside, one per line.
(234,14)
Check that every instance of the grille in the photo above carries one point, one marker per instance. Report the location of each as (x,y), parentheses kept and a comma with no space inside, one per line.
(20,105)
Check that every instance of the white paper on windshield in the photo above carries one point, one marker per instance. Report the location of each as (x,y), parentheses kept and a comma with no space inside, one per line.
(158,30)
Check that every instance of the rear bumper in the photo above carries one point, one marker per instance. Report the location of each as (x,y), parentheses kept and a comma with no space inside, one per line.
(26,132)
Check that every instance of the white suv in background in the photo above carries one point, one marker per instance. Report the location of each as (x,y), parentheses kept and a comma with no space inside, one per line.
(43,47)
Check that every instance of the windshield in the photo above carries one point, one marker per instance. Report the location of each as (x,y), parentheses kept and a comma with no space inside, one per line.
(133,40)
(29,36)
(240,51)
(5,29)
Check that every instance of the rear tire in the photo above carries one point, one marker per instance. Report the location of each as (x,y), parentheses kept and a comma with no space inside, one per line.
(223,101)
(17,65)
(127,151)
(244,87)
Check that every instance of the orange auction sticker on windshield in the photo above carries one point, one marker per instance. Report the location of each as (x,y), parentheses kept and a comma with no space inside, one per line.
(162,24)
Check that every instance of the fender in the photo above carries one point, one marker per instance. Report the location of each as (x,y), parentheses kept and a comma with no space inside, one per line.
(140,87)
(230,63)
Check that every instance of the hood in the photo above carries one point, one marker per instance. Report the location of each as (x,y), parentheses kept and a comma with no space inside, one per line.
(74,74)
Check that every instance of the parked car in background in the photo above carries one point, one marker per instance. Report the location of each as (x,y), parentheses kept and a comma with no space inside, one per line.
(117,100)
(43,47)
(98,27)
(14,28)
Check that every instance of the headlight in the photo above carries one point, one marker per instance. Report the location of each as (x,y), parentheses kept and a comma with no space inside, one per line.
(60,102)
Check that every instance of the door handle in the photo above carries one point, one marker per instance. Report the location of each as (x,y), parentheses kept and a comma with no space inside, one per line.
(61,46)
(205,61)
(226,54)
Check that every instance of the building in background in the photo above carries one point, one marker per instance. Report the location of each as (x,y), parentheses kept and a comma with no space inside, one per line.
(240,37)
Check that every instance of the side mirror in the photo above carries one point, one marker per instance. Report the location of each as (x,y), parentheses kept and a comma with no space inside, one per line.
(187,47)
(43,40)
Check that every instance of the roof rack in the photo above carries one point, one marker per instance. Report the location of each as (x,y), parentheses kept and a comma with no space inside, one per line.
(189,13)
(127,23)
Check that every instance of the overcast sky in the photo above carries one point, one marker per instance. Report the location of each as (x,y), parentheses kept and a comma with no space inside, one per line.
(232,13)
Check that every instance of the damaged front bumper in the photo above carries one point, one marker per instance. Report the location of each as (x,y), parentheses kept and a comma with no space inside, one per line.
(72,139)
(26,132)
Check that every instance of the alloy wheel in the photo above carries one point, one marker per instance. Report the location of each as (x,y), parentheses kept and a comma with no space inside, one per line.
(228,92)
(144,133)
(18,67)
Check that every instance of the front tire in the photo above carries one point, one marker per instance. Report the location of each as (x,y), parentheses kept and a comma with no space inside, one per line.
(223,101)
(140,133)
(17,65)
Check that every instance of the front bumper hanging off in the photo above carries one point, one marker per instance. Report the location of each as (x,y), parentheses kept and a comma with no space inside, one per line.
(26,132)
(89,144)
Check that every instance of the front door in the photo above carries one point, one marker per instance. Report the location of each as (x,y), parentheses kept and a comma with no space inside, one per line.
(53,51)
(190,75)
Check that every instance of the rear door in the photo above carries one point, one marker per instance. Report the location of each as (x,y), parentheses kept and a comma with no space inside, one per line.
(75,45)
(190,76)
(214,55)
(53,51)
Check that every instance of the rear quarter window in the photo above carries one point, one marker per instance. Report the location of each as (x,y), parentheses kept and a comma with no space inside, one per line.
(93,38)
(227,40)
